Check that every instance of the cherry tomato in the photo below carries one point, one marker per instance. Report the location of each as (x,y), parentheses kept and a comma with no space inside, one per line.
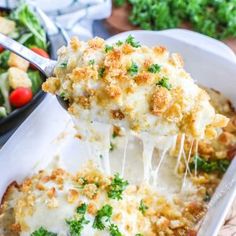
(20,97)
(40,52)
(1,49)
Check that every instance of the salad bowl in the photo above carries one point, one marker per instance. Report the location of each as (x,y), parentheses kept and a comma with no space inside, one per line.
(17,115)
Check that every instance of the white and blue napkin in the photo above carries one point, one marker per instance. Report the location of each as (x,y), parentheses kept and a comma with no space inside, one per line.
(74,16)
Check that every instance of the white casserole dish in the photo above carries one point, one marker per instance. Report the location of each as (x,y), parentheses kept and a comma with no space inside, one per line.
(210,62)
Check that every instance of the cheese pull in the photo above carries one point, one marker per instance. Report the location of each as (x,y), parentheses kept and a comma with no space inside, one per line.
(140,88)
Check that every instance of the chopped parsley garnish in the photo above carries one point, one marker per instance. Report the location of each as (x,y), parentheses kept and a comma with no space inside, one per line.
(114,231)
(119,43)
(82,209)
(104,214)
(42,232)
(76,225)
(108,48)
(101,156)
(142,207)
(209,165)
(133,70)
(91,62)
(112,147)
(101,72)
(114,135)
(63,64)
(83,183)
(138,234)
(164,82)
(117,187)
(131,40)
(63,95)
(154,68)
(207,197)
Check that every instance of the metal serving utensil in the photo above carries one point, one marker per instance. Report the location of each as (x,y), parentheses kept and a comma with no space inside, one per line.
(45,65)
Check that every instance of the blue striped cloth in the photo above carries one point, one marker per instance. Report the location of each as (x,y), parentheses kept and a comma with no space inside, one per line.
(75,16)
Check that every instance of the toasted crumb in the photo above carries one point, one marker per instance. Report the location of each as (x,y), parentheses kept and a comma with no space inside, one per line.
(113,91)
(160,101)
(177,60)
(16,228)
(92,209)
(90,190)
(160,50)
(127,49)
(143,78)
(75,44)
(117,114)
(51,85)
(96,43)
(51,192)
(220,121)
(72,195)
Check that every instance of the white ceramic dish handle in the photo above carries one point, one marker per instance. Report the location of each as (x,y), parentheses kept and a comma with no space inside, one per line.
(205,42)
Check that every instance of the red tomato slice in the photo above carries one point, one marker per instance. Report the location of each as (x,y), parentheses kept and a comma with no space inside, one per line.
(1,49)
(20,97)
(40,52)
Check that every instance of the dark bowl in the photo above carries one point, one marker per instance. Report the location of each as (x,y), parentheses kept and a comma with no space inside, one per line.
(17,116)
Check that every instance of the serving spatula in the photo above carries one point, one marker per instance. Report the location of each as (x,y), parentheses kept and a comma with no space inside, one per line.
(45,65)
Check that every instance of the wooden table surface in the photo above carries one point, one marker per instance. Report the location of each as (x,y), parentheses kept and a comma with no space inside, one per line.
(118,22)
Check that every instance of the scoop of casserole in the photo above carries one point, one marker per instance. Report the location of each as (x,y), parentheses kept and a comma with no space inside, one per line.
(141,88)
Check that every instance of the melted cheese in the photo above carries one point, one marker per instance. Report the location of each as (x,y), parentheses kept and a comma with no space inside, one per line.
(35,205)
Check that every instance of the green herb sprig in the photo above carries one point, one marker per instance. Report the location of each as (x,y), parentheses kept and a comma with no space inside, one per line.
(215,18)
(142,207)
(119,43)
(133,70)
(104,214)
(131,40)
(164,82)
(209,166)
(154,68)
(42,232)
(108,48)
(114,230)
(63,64)
(117,187)
(101,72)
(76,224)
(91,62)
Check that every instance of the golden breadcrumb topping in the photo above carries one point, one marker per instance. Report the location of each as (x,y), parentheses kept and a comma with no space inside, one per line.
(135,209)
(134,86)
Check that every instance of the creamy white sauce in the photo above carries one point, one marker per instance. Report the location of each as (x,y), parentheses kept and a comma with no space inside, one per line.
(154,165)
